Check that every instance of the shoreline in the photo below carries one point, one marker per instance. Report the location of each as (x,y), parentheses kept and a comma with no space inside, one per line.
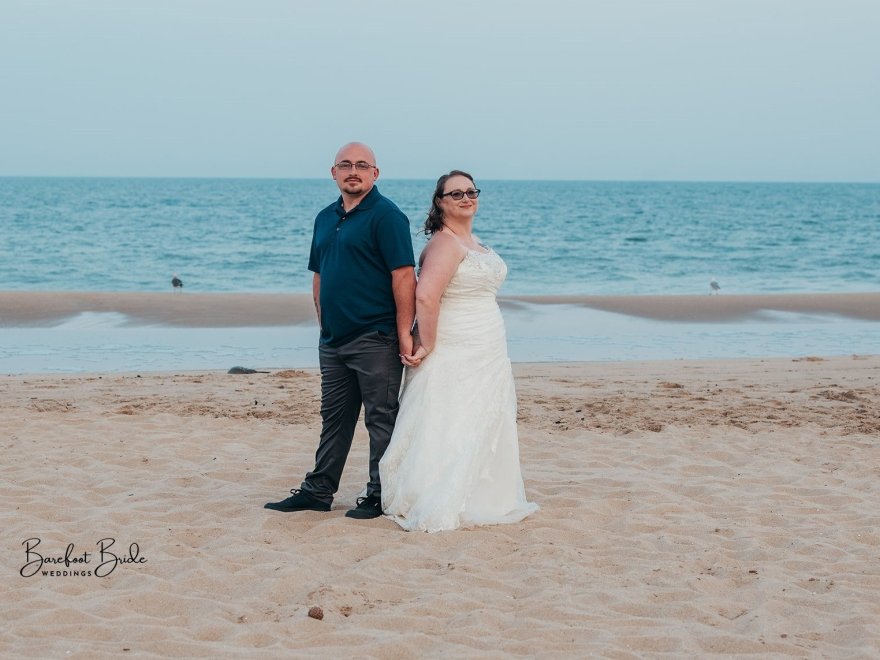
(720,308)
(228,310)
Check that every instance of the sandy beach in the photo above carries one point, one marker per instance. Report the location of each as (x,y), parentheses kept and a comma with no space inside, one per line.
(688,509)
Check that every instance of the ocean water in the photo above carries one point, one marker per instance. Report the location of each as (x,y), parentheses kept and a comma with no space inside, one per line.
(591,238)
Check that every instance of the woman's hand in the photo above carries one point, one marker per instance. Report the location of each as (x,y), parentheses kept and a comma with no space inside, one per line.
(416,357)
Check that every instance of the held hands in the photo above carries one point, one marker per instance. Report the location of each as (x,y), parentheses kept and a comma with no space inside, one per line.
(414,358)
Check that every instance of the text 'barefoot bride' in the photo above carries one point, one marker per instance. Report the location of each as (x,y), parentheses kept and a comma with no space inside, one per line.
(453,459)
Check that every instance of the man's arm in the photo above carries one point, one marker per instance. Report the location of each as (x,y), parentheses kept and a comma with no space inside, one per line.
(316,295)
(403,286)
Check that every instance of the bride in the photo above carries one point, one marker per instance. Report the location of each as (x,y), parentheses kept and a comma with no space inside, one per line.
(453,459)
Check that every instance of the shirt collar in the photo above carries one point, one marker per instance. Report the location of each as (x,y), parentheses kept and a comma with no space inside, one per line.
(366,203)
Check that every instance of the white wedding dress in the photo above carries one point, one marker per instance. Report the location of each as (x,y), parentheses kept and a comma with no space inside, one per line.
(453,459)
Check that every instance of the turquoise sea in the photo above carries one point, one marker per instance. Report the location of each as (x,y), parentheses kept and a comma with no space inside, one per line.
(558,237)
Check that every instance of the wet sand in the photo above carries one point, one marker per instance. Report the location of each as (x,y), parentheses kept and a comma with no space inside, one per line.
(186,309)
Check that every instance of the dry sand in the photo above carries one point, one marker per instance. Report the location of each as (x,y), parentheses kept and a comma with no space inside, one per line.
(688,509)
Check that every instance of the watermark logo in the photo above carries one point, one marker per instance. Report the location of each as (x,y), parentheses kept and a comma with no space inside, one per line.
(74,563)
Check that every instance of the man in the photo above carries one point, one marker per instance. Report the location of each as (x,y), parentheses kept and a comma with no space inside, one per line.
(364,290)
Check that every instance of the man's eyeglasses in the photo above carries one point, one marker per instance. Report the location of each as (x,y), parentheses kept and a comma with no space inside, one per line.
(360,166)
(457,195)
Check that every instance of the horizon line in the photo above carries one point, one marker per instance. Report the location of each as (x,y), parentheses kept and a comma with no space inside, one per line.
(546,180)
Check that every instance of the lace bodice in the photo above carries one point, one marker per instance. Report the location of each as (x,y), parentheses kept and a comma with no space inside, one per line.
(479,275)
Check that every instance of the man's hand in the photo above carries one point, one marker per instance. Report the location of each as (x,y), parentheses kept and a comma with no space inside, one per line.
(415,358)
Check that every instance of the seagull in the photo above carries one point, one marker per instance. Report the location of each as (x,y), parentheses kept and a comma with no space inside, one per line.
(714,287)
(176,282)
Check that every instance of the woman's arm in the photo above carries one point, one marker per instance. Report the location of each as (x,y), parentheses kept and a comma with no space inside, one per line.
(440,260)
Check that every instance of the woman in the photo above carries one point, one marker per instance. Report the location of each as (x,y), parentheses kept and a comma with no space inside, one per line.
(453,459)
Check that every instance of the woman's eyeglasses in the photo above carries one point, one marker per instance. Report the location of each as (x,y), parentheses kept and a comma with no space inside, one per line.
(457,195)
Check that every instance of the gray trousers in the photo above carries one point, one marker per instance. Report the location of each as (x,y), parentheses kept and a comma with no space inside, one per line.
(366,371)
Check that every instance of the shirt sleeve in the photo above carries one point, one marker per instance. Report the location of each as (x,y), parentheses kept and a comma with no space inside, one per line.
(314,260)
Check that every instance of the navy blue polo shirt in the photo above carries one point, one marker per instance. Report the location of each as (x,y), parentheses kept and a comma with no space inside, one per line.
(355,253)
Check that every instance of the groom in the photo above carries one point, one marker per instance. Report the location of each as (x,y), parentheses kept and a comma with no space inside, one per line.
(364,290)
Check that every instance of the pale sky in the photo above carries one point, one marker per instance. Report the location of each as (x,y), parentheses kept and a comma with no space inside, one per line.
(704,90)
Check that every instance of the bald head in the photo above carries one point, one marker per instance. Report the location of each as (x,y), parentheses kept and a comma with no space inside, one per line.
(355,151)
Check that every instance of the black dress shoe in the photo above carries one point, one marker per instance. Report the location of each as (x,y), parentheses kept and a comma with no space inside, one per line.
(298,501)
(367,507)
